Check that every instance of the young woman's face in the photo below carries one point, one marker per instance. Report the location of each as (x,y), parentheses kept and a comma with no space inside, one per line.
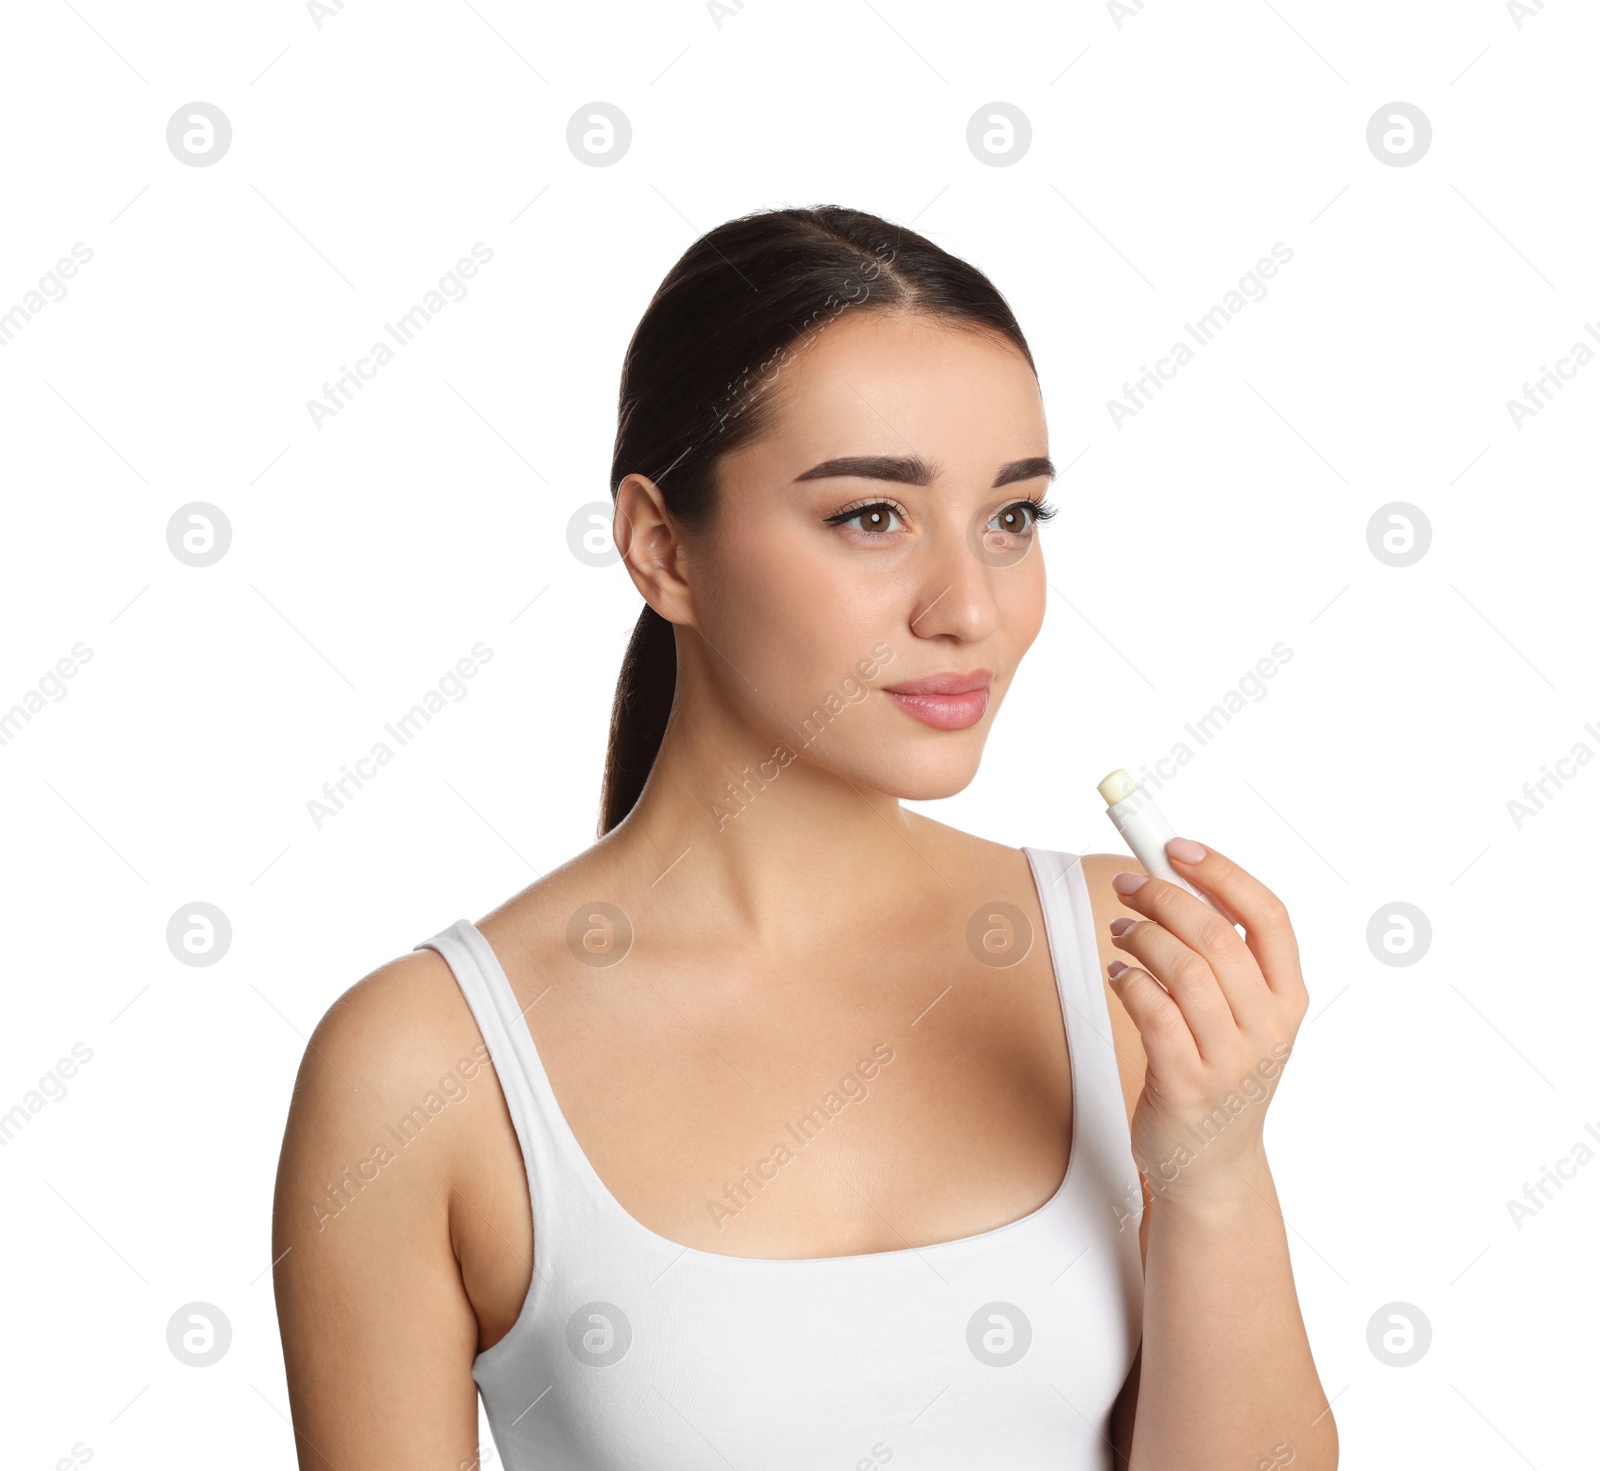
(825,586)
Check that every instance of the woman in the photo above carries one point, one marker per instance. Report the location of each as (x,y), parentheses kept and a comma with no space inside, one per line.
(814,1136)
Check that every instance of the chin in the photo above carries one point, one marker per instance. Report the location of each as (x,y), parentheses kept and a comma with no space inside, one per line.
(926,779)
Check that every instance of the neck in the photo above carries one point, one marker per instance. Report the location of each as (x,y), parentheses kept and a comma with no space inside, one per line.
(743,827)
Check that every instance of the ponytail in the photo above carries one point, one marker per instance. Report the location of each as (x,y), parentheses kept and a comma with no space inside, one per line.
(638,714)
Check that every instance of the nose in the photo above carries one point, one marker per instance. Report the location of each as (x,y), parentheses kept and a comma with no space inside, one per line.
(955,595)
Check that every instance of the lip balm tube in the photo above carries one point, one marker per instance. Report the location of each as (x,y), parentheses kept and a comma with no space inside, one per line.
(1134,814)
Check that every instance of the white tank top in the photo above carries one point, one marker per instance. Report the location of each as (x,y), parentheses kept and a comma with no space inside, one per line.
(1002,1349)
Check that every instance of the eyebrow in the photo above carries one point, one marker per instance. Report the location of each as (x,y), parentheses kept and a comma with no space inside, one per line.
(914,470)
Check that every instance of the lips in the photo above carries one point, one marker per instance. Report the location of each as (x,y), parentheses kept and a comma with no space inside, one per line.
(951,701)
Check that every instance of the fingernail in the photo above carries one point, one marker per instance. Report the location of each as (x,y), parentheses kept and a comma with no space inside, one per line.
(1121,923)
(1185,850)
(1115,969)
(1128,883)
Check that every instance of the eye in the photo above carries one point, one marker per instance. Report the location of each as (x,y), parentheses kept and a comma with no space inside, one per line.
(875,514)
(1021,517)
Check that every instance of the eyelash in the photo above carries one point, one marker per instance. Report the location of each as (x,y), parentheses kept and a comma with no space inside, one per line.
(1041,512)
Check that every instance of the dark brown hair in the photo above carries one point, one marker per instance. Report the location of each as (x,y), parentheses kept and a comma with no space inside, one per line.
(717,332)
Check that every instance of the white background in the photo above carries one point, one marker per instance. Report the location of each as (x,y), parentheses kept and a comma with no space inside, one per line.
(1168,154)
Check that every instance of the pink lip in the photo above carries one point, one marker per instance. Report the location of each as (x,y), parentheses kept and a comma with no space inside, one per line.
(944,701)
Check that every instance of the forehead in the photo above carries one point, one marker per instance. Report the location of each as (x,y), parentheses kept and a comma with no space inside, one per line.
(890,383)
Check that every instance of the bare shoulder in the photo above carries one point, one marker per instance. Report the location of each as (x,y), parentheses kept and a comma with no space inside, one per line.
(376,1126)
(369,1144)
(389,1033)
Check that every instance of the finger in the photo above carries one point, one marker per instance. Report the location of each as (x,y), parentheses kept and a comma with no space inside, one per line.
(1268,931)
(1189,980)
(1232,965)
(1168,1042)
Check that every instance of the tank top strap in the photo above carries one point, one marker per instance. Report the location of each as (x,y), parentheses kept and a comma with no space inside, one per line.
(1102,1130)
(1069,931)
(550,1154)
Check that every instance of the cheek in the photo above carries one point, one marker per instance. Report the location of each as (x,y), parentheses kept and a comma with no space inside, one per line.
(798,628)
(1021,595)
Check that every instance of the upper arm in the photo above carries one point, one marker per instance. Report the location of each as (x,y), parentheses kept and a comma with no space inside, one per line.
(1098,869)
(378,1332)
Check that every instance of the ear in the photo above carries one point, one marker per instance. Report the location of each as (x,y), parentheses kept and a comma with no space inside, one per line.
(653,549)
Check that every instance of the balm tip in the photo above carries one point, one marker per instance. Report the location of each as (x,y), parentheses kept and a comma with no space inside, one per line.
(1117,786)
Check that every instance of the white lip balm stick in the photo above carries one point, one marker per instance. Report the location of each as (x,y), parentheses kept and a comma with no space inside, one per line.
(1135,815)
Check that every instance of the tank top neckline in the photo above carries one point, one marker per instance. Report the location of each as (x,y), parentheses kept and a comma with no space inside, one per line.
(567,1140)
